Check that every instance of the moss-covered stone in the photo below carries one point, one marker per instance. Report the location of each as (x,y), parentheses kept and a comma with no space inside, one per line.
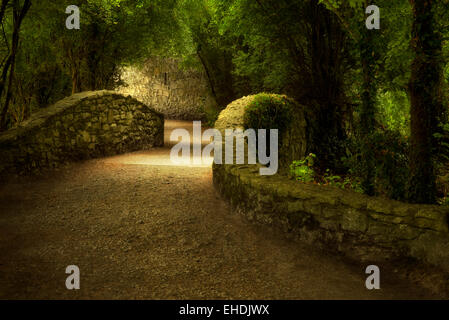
(349,222)
(360,226)
(79,126)
(292,134)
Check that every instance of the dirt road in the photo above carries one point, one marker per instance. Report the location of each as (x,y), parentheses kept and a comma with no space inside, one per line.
(141,228)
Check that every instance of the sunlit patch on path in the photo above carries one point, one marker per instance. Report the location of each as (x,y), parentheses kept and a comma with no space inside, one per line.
(161,156)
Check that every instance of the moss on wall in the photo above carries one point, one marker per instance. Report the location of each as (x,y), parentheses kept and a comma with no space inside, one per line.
(363,227)
(82,126)
(292,138)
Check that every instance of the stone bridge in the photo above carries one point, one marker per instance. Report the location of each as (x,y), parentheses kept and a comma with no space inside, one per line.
(82,126)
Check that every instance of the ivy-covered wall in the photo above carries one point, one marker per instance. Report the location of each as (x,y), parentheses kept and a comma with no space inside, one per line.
(82,126)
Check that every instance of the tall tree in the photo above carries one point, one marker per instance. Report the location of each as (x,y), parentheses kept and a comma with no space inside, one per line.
(352,18)
(295,47)
(19,12)
(213,50)
(424,90)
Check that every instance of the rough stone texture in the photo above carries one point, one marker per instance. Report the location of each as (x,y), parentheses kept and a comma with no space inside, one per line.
(362,227)
(292,142)
(84,125)
(163,85)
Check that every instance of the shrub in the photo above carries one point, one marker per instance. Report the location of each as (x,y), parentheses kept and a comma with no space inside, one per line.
(348,182)
(302,170)
(269,111)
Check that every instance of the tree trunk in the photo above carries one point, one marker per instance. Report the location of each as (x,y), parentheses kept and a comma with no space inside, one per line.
(206,69)
(424,88)
(368,108)
(18,16)
(326,47)
(76,81)
(4,74)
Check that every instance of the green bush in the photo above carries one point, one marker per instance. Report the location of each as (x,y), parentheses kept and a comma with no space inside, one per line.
(394,111)
(302,170)
(269,111)
(348,182)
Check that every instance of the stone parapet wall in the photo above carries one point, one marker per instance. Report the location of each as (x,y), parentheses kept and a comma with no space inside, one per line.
(82,126)
(362,227)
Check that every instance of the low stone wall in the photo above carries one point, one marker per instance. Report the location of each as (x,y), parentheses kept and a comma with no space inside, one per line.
(82,126)
(362,227)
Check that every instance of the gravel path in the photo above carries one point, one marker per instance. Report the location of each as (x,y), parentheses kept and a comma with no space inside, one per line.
(139,228)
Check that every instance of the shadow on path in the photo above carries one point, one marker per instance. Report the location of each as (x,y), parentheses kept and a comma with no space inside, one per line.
(139,227)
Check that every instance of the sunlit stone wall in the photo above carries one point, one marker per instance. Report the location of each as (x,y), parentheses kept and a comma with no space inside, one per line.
(162,84)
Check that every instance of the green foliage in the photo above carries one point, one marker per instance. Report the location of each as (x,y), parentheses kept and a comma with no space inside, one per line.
(318,52)
(392,164)
(202,45)
(53,62)
(444,201)
(348,182)
(353,183)
(331,179)
(390,150)
(442,139)
(211,115)
(269,111)
(302,170)
(394,111)
(443,187)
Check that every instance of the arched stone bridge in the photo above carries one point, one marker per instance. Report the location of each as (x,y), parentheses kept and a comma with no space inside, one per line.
(82,126)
